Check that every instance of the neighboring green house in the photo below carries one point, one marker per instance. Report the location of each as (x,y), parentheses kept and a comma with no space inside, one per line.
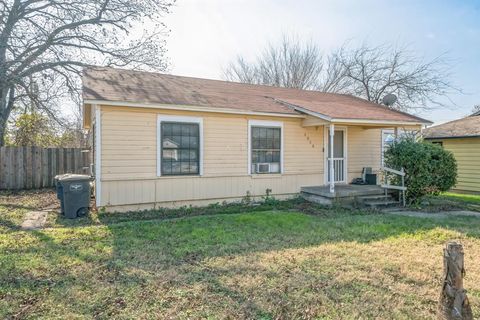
(462,137)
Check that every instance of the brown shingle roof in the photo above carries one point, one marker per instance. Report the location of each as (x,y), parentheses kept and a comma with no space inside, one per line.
(109,84)
(465,127)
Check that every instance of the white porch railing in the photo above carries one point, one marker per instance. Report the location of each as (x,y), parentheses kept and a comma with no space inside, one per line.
(338,169)
(386,185)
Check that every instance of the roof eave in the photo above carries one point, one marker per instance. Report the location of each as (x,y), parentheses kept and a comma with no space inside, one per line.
(187,108)
(451,137)
(378,122)
(354,121)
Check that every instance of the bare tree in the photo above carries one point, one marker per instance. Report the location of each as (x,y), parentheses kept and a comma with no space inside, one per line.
(291,64)
(476,110)
(45,43)
(367,72)
(373,72)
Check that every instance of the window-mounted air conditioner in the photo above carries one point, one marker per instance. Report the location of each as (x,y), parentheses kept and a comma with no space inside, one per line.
(262,168)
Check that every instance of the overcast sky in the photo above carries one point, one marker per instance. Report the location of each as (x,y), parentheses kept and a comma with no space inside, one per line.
(207,34)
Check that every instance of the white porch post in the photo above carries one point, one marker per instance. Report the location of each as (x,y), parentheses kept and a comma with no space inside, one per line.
(330,161)
(396,133)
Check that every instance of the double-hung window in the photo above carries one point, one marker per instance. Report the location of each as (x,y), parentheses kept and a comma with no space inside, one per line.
(180,146)
(265,147)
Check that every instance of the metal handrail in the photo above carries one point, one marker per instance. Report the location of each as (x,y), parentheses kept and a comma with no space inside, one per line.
(401,188)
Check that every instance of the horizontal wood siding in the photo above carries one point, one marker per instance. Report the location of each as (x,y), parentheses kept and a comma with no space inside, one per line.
(364,150)
(467,154)
(129,158)
(128,145)
(164,191)
(303,148)
(225,145)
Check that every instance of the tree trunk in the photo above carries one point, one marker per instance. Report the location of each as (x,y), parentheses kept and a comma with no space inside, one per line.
(3,129)
(453,304)
(6,106)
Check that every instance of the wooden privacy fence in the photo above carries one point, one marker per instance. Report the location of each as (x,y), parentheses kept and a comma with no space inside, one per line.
(34,167)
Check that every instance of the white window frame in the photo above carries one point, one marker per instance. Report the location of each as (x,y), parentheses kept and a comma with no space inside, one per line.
(268,124)
(169,118)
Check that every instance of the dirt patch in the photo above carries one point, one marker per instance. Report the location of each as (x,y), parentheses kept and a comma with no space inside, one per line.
(34,220)
(441,214)
(29,199)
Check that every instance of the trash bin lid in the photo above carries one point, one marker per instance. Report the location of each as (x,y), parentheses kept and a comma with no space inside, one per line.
(60,176)
(75,177)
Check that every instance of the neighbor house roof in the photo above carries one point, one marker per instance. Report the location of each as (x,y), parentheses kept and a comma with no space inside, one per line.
(102,85)
(461,128)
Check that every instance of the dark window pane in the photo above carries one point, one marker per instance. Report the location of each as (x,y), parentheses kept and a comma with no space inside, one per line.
(255,157)
(276,133)
(185,142)
(276,156)
(263,133)
(180,148)
(175,141)
(167,130)
(193,142)
(176,129)
(276,144)
(270,133)
(193,155)
(255,143)
(166,166)
(262,143)
(255,133)
(176,167)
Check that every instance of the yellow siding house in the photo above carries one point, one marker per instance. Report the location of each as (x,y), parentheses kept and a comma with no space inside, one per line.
(161,140)
(462,138)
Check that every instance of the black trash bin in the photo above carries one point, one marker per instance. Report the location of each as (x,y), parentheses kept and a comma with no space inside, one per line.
(75,194)
(59,189)
(371,179)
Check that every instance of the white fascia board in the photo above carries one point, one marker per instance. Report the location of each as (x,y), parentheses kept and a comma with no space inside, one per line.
(304,110)
(380,122)
(189,108)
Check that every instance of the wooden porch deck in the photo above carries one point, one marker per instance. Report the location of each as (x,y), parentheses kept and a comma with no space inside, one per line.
(344,190)
(349,195)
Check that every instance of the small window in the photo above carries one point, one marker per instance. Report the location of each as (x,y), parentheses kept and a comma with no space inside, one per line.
(266,149)
(180,148)
(440,143)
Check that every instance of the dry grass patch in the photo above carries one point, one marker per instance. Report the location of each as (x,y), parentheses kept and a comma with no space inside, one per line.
(261,265)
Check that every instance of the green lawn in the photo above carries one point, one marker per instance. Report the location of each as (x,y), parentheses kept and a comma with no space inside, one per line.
(466,198)
(276,264)
(452,201)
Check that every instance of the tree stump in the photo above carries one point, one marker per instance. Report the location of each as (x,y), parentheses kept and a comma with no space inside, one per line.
(453,304)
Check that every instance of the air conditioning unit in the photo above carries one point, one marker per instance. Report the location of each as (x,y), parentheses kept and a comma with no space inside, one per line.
(263,168)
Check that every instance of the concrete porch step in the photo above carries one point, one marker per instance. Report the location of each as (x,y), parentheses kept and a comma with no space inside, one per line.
(378,201)
(380,204)
(378,197)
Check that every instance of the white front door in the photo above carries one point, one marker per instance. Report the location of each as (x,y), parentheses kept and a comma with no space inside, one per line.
(339,155)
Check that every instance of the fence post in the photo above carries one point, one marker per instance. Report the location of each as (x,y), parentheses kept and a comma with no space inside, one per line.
(453,302)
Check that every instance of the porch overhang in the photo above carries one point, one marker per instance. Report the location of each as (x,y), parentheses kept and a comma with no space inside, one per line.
(313,121)
(315,118)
